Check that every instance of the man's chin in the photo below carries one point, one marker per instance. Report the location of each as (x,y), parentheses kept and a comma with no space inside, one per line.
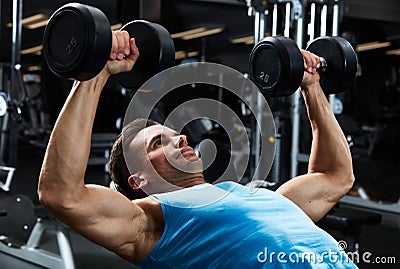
(190,165)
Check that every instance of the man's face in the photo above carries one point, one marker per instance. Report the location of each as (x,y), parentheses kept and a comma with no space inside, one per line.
(162,150)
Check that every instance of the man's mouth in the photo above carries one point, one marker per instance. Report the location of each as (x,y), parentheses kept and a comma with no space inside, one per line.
(187,150)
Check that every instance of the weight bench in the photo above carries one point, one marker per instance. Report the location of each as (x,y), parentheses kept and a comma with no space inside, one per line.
(349,222)
(21,234)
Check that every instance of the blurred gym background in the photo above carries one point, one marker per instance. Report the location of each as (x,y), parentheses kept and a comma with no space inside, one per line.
(219,31)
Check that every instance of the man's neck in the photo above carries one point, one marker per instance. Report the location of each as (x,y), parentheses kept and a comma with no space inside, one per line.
(192,181)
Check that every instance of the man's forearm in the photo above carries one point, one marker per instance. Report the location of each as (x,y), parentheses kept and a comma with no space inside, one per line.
(329,152)
(67,154)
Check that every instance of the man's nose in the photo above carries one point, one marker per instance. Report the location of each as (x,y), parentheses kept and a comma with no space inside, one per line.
(181,141)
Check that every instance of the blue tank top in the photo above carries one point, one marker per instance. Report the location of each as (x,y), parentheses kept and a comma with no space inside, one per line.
(226,226)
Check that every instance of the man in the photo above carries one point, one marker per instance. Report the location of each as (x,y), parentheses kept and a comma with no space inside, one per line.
(178,230)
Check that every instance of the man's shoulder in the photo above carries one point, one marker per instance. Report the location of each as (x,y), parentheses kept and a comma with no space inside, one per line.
(148,204)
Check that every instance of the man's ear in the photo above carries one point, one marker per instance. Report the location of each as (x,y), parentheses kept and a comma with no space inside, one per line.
(136,181)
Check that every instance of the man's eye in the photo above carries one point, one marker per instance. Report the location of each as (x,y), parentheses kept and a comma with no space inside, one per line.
(157,143)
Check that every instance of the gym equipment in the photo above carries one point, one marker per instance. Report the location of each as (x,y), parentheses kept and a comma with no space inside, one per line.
(8,173)
(276,65)
(21,234)
(77,43)
(13,223)
(349,222)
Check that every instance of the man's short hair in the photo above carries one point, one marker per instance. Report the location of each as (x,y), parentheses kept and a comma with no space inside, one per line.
(117,166)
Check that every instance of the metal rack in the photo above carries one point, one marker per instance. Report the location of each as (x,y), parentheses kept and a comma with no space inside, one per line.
(294,12)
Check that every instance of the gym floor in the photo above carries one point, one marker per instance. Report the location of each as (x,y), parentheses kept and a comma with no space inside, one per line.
(381,240)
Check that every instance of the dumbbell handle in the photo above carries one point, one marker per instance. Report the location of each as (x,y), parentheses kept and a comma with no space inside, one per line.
(323,65)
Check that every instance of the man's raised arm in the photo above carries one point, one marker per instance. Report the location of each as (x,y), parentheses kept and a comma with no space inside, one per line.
(330,171)
(100,214)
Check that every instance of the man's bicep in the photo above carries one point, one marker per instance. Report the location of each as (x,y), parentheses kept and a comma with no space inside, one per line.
(311,192)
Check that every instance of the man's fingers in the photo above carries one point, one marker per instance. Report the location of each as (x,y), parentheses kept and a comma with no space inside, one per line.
(123,47)
(126,48)
(114,48)
(308,65)
(315,61)
(120,51)
(124,53)
(311,61)
(313,64)
(134,51)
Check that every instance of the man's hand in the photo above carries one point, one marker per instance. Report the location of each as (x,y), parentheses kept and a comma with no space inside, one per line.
(124,53)
(311,63)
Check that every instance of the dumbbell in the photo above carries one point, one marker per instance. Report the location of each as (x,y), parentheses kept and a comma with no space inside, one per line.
(277,65)
(78,39)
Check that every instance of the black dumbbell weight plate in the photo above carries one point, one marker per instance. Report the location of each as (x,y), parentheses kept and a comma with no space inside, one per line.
(276,66)
(77,41)
(157,52)
(341,62)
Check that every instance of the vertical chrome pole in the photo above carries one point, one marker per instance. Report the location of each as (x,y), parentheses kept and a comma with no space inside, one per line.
(335,32)
(14,92)
(259,35)
(324,18)
(16,46)
(259,27)
(276,168)
(275,20)
(295,100)
(335,15)
(311,26)
(287,20)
